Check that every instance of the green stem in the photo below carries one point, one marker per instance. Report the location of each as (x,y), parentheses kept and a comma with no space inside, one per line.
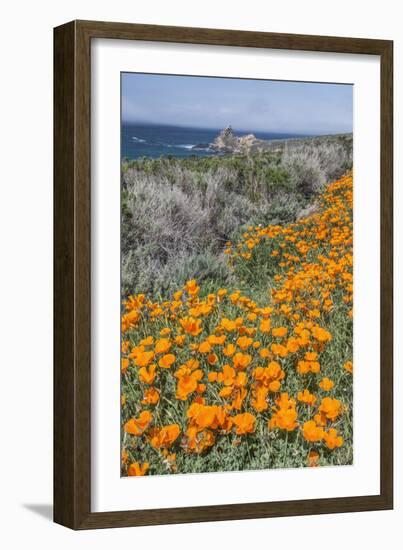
(285,449)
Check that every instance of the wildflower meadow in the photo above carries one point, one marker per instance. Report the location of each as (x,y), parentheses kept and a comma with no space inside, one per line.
(253,368)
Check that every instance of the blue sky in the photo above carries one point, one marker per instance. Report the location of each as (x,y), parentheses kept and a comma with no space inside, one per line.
(260,105)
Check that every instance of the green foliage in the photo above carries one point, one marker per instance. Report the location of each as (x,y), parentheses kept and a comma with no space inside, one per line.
(255,276)
(178,213)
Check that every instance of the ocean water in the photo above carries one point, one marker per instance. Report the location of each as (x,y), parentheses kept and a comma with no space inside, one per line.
(157,141)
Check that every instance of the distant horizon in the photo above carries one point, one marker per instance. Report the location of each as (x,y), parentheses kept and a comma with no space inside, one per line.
(234,128)
(249,105)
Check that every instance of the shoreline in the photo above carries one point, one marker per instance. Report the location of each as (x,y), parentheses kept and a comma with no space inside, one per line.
(245,145)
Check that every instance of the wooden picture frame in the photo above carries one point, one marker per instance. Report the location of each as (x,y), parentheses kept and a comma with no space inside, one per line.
(72,270)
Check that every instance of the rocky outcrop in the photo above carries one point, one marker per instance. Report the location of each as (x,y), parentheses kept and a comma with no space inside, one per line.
(228,143)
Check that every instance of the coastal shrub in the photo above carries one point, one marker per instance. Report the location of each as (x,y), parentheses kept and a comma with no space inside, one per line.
(166,229)
(305,172)
(327,159)
(336,159)
(177,214)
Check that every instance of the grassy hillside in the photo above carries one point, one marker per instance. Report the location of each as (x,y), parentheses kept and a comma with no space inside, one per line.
(177,214)
(237,335)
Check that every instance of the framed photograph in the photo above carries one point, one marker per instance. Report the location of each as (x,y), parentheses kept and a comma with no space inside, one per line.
(222,275)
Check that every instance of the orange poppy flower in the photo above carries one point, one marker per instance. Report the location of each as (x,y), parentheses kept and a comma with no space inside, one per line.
(321,334)
(279,350)
(264,353)
(178,295)
(285,416)
(333,440)
(147,376)
(330,408)
(258,401)
(188,379)
(313,459)
(167,361)
(226,392)
(245,423)
(229,350)
(320,419)
(130,320)
(312,432)
(204,347)
(303,367)
(241,360)
(274,386)
(265,325)
(125,346)
(162,345)
(180,339)
(306,397)
(191,287)
(216,340)
(164,437)
(124,364)
(144,358)
(227,376)
(279,332)
(285,419)
(228,324)
(147,341)
(239,397)
(191,326)
(244,342)
(326,384)
(292,345)
(137,469)
(348,366)
(151,396)
(212,358)
(212,376)
(136,426)
(204,416)
(198,440)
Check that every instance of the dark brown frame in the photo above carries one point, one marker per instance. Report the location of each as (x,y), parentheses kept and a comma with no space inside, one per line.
(72,319)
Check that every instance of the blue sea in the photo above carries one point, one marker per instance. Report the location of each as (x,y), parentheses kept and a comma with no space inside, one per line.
(158,141)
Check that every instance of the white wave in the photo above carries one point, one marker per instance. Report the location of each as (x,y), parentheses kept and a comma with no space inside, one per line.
(138,140)
(177,145)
